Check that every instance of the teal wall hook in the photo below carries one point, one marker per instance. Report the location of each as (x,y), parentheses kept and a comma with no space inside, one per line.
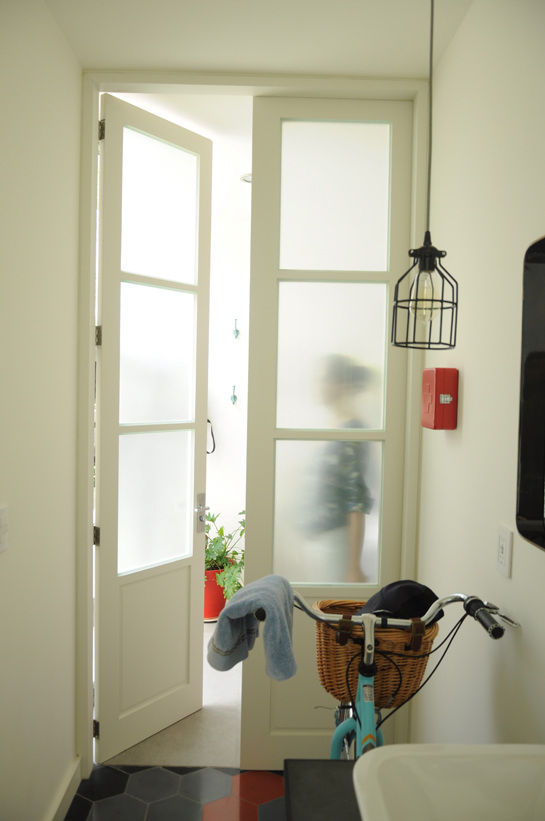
(234,397)
(236,330)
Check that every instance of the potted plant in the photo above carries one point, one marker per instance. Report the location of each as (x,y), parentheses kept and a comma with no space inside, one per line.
(223,563)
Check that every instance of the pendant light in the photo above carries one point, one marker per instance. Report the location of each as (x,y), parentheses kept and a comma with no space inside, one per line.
(426,296)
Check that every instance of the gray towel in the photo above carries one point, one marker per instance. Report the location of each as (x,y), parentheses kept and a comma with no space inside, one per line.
(237,627)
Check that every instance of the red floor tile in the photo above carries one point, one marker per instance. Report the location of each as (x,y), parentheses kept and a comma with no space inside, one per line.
(232,808)
(258,787)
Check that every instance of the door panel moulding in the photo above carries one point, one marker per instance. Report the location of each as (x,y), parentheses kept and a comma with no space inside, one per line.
(127,81)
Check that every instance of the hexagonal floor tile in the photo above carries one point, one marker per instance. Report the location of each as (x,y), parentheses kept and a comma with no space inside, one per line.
(119,808)
(102,783)
(79,809)
(231,808)
(258,787)
(174,809)
(183,770)
(153,784)
(273,810)
(205,785)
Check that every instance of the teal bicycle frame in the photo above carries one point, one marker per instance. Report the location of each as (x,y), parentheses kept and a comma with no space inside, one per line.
(363,728)
(367,735)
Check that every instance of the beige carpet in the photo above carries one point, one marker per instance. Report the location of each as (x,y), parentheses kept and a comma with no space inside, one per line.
(209,737)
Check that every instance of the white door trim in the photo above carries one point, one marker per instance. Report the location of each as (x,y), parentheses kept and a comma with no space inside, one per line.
(94,83)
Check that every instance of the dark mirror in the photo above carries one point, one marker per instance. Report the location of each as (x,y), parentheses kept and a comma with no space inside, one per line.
(531,461)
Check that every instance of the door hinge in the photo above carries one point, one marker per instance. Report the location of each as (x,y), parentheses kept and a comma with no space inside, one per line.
(98,334)
(101,130)
(96,536)
(96,728)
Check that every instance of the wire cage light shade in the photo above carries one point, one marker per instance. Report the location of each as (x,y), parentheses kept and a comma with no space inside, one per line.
(425,302)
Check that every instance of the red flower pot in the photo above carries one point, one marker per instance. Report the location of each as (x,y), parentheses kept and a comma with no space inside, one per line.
(214,598)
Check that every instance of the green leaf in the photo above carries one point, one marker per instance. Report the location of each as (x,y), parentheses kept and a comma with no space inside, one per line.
(223,553)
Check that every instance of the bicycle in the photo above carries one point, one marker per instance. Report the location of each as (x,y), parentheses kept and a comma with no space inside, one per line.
(359,718)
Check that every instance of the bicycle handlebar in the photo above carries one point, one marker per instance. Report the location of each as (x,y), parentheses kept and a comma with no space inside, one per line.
(482,612)
(477,608)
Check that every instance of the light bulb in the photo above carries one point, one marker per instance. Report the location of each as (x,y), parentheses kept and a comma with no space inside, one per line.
(421,297)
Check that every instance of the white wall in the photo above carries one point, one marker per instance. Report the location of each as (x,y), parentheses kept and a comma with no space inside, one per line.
(39,153)
(488,206)
(229,300)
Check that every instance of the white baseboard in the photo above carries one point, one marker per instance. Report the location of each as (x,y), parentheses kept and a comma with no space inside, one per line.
(63,797)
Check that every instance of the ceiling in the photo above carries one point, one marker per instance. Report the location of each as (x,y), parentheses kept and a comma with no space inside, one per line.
(380,38)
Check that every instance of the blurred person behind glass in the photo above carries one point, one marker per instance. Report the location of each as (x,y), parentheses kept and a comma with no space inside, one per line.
(337,497)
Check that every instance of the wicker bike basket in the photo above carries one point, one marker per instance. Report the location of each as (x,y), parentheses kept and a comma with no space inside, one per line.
(333,658)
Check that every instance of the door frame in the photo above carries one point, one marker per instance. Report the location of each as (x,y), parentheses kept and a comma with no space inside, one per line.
(93,84)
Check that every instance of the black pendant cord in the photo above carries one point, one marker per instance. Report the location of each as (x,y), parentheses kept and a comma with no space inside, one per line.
(430,111)
(425,311)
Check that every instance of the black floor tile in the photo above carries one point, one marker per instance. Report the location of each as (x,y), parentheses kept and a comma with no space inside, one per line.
(119,808)
(183,770)
(206,785)
(273,810)
(153,784)
(79,809)
(129,768)
(103,783)
(176,808)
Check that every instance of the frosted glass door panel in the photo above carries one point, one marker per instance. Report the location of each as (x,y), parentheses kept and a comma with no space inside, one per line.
(155,522)
(157,355)
(335,184)
(159,223)
(327,511)
(331,354)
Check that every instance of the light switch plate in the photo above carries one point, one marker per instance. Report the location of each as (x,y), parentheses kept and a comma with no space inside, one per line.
(504,555)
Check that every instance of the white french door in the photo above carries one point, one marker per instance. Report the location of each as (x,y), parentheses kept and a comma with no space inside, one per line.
(151,424)
(331,189)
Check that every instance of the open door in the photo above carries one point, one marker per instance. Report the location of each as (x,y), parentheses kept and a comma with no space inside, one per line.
(151,424)
(326,407)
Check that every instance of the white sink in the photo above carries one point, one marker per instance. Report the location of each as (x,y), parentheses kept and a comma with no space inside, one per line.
(450,782)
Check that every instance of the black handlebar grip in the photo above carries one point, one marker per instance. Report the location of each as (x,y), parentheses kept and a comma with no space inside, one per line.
(260,614)
(476,608)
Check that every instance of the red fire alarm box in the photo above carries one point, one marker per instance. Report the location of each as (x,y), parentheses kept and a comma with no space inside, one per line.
(439,398)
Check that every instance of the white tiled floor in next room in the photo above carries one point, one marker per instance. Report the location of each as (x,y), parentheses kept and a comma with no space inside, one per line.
(210,737)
